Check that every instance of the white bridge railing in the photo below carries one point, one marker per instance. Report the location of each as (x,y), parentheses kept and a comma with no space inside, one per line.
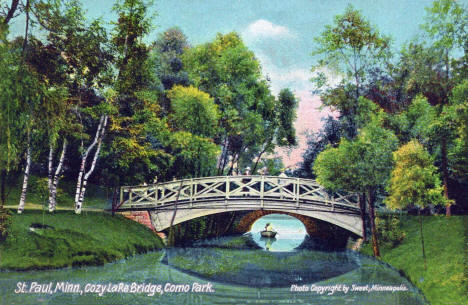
(232,189)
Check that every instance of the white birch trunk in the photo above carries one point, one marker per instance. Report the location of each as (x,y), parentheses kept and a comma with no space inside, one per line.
(58,171)
(49,174)
(86,177)
(82,177)
(24,190)
(79,182)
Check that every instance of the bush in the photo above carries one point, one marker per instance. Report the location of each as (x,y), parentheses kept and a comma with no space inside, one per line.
(5,222)
(389,230)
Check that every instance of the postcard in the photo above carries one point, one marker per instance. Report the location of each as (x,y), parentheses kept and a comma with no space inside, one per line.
(233,152)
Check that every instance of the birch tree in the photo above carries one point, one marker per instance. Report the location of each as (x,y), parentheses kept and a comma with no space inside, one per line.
(84,175)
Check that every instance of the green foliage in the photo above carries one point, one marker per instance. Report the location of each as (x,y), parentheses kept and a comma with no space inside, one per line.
(358,165)
(167,50)
(414,180)
(230,73)
(414,123)
(458,110)
(287,104)
(39,186)
(193,111)
(350,46)
(389,230)
(130,51)
(195,156)
(5,222)
(446,23)
(12,121)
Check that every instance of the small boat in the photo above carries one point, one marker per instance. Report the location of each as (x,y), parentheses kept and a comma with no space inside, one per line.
(271,234)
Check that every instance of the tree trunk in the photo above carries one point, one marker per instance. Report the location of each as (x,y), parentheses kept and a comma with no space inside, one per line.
(171,237)
(49,173)
(24,190)
(230,222)
(422,239)
(86,176)
(234,160)
(223,156)
(56,177)
(25,40)
(444,165)
(258,160)
(115,199)
(3,174)
(82,176)
(375,242)
(362,208)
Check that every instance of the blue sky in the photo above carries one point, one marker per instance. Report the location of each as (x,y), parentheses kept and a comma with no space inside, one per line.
(279,32)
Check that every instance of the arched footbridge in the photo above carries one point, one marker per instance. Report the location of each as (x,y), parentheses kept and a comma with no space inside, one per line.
(183,200)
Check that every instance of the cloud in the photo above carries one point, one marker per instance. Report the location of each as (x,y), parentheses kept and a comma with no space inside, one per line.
(265,29)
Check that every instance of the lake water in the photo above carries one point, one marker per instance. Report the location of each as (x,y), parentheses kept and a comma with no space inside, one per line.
(228,270)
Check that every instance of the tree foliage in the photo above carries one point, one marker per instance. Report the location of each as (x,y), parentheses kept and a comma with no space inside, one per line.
(414,179)
(193,111)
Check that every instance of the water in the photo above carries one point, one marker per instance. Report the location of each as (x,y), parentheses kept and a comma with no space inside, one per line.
(229,270)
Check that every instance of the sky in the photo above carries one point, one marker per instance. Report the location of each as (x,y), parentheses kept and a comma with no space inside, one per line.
(281,34)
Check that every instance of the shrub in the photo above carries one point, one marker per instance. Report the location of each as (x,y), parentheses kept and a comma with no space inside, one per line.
(5,222)
(389,230)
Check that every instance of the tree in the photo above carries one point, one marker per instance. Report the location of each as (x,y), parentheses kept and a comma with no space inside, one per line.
(446,27)
(167,52)
(131,53)
(329,135)
(229,73)
(131,152)
(352,48)
(277,129)
(458,110)
(414,182)
(11,118)
(362,165)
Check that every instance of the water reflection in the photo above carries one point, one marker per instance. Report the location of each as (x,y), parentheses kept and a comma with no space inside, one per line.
(268,241)
(260,268)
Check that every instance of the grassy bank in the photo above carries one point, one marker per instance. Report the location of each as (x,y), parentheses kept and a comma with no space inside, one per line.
(37,195)
(445,281)
(91,238)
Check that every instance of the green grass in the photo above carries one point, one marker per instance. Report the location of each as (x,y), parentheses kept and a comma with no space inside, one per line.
(92,238)
(445,281)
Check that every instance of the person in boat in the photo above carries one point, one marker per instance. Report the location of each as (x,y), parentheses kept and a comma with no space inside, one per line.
(268,227)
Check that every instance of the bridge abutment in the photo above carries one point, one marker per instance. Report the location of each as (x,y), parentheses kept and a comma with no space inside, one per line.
(144,218)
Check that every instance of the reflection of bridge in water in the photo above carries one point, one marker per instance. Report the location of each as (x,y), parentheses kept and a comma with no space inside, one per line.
(193,198)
